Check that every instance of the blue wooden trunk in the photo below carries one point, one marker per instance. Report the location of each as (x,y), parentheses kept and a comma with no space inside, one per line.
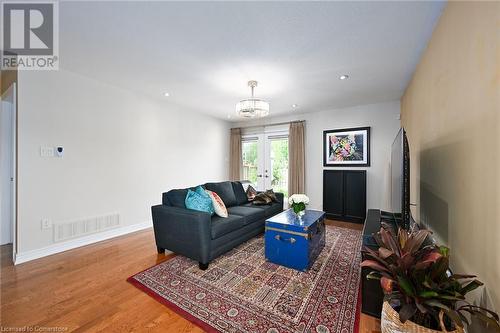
(294,242)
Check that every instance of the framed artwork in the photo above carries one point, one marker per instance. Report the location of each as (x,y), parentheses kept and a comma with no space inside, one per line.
(346,147)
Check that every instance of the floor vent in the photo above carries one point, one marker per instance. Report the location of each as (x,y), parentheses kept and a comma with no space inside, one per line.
(73,229)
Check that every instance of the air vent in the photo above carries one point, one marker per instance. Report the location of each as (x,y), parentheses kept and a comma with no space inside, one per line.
(78,228)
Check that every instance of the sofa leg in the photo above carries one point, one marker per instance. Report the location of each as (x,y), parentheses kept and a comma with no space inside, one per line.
(160,250)
(202,266)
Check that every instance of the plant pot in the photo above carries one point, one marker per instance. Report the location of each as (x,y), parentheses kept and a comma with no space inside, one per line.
(390,323)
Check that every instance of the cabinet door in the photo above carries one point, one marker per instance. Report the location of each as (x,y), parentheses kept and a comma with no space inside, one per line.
(333,193)
(355,195)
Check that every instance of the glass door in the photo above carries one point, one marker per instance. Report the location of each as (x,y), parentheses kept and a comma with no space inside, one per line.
(276,163)
(253,157)
(265,161)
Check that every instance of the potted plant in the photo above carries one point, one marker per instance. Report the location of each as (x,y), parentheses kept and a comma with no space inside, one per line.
(421,294)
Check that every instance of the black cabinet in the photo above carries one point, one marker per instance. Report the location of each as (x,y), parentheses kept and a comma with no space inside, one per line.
(344,195)
(372,296)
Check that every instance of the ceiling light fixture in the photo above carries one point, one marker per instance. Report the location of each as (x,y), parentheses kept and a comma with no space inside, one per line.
(252,107)
(294,106)
(167,94)
(344,77)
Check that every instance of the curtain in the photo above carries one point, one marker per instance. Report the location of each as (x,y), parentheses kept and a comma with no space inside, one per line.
(235,156)
(296,157)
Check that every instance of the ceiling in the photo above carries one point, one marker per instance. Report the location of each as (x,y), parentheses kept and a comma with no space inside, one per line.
(203,53)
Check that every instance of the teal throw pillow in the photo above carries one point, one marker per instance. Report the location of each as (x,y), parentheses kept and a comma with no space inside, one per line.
(197,201)
(201,191)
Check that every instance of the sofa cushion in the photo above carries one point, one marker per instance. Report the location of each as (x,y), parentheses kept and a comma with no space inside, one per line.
(250,214)
(224,225)
(250,204)
(225,192)
(273,209)
(199,200)
(176,197)
(239,192)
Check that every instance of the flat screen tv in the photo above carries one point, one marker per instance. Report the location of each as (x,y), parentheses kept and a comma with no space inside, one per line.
(400,180)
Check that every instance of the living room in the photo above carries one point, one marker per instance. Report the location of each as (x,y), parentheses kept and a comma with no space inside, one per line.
(137,99)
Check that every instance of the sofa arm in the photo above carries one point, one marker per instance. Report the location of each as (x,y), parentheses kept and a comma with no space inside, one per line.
(280,196)
(183,231)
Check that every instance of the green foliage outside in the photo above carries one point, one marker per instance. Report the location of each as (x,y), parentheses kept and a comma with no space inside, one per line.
(250,161)
(279,164)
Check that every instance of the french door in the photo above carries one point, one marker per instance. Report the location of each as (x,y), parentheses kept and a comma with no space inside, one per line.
(265,161)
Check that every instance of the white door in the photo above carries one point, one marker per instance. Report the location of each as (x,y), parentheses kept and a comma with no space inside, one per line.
(265,161)
(7,166)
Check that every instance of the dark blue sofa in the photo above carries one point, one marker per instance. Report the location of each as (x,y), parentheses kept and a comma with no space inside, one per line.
(202,237)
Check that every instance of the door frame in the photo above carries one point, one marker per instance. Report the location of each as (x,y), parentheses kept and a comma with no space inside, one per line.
(11,93)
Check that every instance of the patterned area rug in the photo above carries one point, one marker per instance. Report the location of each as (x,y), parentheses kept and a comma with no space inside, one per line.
(241,292)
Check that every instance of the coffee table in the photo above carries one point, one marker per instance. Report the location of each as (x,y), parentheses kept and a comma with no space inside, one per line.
(295,242)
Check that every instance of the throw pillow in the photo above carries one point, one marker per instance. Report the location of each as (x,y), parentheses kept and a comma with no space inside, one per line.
(196,201)
(201,191)
(262,199)
(225,191)
(251,193)
(270,193)
(218,204)
(239,193)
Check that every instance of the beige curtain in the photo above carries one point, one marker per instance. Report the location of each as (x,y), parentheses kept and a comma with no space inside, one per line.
(296,157)
(235,156)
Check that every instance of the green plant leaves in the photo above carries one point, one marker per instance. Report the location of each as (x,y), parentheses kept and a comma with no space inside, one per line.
(428,294)
(416,281)
(406,286)
(407,311)
(373,264)
(471,286)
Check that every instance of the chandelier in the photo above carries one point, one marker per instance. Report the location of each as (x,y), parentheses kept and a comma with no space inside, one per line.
(252,107)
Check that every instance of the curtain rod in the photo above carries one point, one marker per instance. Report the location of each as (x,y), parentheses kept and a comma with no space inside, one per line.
(275,124)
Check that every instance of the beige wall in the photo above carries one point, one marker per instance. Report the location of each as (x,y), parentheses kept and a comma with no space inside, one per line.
(451,111)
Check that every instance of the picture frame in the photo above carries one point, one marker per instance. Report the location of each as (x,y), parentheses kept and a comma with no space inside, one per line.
(347,147)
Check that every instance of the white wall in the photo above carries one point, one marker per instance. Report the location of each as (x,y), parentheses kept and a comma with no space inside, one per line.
(383,118)
(121,151)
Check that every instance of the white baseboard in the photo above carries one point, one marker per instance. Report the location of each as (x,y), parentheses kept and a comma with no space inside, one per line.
(78,242)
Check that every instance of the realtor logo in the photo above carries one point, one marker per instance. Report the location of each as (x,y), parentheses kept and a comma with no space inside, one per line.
(29,35)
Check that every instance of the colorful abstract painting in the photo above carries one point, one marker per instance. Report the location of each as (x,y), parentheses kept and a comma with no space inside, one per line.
(347,147)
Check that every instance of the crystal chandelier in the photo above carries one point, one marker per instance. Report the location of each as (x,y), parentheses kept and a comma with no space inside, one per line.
(252,107)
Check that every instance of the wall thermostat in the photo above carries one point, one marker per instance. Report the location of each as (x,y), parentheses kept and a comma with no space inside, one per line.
(59,151)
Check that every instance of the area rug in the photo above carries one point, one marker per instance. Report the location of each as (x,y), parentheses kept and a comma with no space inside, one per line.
(242,292)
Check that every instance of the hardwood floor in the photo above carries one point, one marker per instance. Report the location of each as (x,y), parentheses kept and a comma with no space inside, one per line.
(84,290)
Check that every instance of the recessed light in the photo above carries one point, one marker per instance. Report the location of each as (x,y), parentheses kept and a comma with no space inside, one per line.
(167,94)
(294,106)
(228,116)
(344,77)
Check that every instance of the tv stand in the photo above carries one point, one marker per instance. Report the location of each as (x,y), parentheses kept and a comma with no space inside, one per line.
(372,296)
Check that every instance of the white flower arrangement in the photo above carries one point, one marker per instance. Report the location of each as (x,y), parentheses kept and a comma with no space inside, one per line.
(298,203)
(298,198)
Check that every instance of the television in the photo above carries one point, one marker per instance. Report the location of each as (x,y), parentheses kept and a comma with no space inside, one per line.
(400,180)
